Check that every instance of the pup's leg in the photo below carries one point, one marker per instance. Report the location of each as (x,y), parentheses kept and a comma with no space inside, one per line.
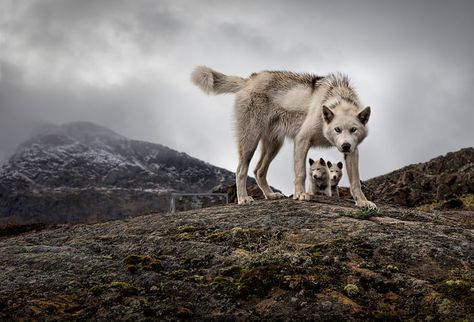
(328,191)
(352,166)
(247,146)
(270,149)
(302,146)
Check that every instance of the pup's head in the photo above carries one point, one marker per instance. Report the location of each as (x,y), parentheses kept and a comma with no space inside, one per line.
(318,169)
(345,125)
(335,173)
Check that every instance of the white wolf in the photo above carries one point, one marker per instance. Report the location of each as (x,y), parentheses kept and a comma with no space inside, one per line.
(335,175)
(319,180)
(313,110)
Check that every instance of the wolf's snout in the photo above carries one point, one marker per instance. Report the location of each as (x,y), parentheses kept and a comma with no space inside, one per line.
(334,177)
(346,147)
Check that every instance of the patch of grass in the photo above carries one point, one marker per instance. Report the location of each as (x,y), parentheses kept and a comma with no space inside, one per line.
(226,284)
(147,263)
(458,288)
(363,213)
(184,236)
(122,287)
(351,290)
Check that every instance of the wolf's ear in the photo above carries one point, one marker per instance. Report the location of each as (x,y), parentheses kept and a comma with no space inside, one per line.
(339,165)
(327,114)
(364,115)
(329,164)
(311,161)
(321,161)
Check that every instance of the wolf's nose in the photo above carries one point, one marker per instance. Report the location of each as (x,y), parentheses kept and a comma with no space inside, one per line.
(346,147)
(334,177)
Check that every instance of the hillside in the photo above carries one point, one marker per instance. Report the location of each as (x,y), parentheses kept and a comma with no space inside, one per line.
(82,172)
(442,181)
(269,260)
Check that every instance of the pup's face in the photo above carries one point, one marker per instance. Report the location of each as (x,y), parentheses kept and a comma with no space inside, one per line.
(345,126)
(335,173)
(318,169)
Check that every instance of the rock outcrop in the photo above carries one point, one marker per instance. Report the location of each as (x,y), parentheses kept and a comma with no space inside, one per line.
(440,180)
(270,260)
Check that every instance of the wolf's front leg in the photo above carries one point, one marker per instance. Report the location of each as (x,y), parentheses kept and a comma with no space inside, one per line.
(300,153)
(352,166)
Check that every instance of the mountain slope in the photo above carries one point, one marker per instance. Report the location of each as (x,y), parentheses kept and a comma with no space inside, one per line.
(441,179)
(81,171)
(270,260)
(80,155)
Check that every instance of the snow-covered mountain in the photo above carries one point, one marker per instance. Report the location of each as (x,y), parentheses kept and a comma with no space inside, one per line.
(81,165)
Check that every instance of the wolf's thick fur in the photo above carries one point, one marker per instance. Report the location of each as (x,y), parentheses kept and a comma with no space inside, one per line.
(335,175)
(312,110)
(319,181)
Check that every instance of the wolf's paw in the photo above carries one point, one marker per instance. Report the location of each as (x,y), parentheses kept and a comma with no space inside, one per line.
(304,196)
(275,195)
(244,200)
(366,204)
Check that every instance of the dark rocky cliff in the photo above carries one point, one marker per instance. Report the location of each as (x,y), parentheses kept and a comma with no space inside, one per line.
(270,260)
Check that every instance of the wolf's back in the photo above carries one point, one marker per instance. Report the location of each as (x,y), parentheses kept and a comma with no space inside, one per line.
(213,82)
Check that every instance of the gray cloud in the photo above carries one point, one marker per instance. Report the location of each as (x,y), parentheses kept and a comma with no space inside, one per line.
(126,65)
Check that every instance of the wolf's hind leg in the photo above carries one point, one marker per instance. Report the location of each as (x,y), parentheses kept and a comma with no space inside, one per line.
(247,146)
(270,149)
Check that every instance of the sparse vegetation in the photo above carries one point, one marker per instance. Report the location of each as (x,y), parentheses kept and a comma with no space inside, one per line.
(363,213)
(351,289)
(147,263)
(122,287)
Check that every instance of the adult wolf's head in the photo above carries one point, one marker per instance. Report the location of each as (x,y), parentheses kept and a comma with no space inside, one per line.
(345,125)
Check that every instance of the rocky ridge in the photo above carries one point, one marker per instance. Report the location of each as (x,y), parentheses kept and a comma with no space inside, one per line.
(443,180)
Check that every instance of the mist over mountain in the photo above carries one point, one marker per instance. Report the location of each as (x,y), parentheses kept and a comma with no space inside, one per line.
(82,170)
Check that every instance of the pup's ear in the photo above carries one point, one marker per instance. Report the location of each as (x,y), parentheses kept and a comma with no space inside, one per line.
(339,165)
(329,164)
(364,115)
(311,161)
(321,161)
(327,114)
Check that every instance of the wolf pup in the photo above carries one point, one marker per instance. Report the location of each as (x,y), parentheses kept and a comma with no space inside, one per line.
(321,111)
(335,175)
(319,181)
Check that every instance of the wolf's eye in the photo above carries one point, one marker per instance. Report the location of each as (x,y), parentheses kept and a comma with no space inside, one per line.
(353,129)
(337,129)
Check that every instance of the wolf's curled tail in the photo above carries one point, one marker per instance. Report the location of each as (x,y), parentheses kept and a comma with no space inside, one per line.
(213,82)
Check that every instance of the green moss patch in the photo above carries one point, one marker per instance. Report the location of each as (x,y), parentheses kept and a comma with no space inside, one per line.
(122,287)
(458,288)
(146,262)
(362,213)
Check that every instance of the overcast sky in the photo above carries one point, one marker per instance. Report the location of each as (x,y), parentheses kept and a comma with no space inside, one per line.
(126,65)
